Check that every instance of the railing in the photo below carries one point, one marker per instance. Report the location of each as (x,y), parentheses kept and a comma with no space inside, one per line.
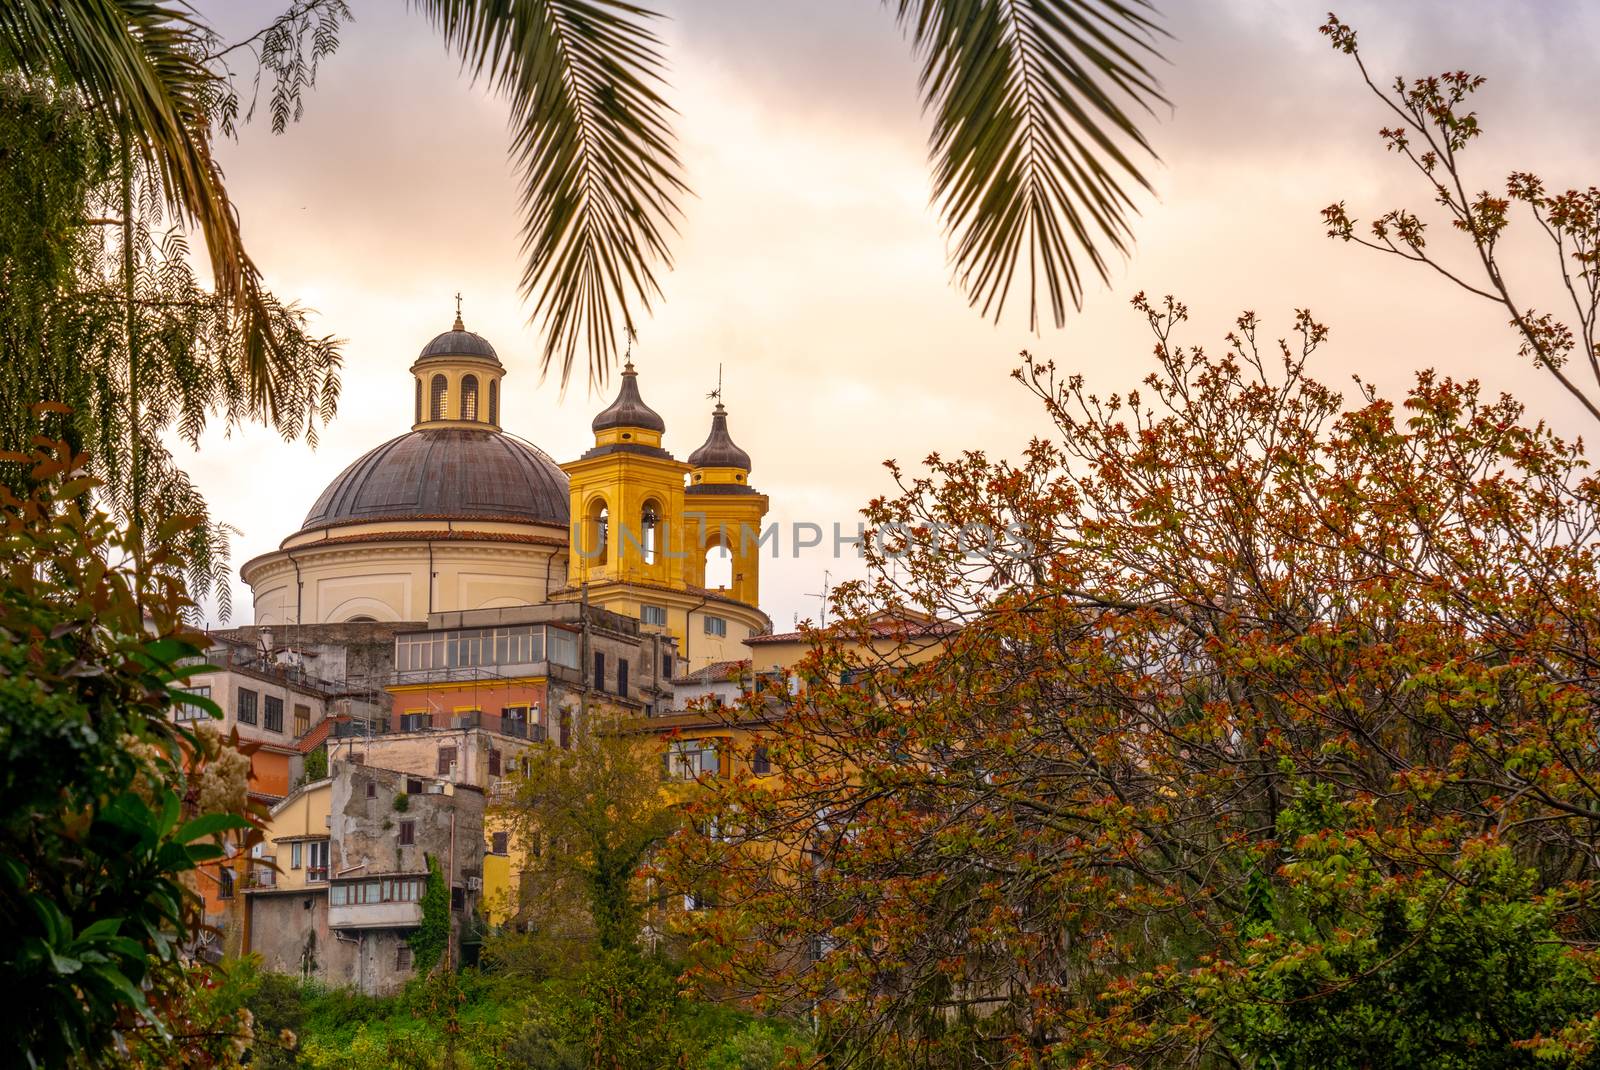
(316,874)
(439,721)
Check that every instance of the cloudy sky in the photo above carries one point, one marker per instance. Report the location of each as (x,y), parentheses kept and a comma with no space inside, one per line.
(812,268)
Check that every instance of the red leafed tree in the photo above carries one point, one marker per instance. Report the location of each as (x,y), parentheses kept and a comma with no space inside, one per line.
(1268,739)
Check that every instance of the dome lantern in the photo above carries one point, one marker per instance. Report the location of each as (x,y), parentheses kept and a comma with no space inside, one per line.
(457,378)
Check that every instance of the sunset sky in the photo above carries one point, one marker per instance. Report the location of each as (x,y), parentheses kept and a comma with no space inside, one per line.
(812,267)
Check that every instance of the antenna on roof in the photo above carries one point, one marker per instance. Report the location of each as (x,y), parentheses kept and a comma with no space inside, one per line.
(826,575)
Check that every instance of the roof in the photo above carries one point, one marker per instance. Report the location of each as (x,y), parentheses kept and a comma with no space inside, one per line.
(459,342)
(446,473)
(717,672)
(316,737)
(629,409)
(719,451)
(882,625)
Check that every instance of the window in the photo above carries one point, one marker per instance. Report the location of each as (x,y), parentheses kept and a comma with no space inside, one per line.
(716,626)
(599,680)
(458,898)
(760,763)
(317,860)
(436,393)
(247,706)
(563,648)
(294,855)
(447,758)
(622,677)
(566,730)
(666,666)
(408,833)
(494,401)
(499,843)
(598,533)
(417,419)
(469,397)
(225,880)
(187,711)
(402,957)
(302,719)
(272,713)
(656,615)
(380,890)
(694,901)
(372,789)
(689,759)
(494,762)
(413,786)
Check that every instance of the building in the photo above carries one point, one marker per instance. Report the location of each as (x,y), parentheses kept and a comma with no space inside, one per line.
(353,856)
(459,515)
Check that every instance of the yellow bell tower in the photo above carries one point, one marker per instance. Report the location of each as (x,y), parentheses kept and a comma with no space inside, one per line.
(627,498)
(721,508)
(640,536)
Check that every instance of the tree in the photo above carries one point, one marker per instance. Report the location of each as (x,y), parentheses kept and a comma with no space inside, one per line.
(110,804)
(1269,714)
(1029,139)
(1437,129)
(586,820)
(101,315)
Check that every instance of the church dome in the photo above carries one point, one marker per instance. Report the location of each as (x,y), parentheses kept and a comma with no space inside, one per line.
(459,342)
(446,473)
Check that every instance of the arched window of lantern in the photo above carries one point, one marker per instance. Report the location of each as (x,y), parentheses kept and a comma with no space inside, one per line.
(469,397)
(417,418)
(650,531)
(436,395)
(494,401)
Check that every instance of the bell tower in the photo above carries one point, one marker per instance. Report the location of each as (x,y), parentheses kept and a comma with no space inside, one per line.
(627,499)
(722,509)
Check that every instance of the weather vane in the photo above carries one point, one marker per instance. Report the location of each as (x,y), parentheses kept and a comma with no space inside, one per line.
(717,393)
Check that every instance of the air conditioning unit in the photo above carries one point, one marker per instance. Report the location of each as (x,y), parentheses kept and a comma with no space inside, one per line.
(474,884)
(436,787)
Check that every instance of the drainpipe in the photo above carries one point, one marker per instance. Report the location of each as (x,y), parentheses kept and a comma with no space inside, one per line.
(450,929)
(430,577)
(688,629)
(299,587)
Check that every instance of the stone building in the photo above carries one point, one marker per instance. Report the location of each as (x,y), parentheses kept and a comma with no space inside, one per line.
(350,921)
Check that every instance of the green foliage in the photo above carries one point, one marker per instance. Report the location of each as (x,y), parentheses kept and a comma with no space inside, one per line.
(487,1021)
(1357,968)
(429,942)
(402,802)
(316,766)
(101,819)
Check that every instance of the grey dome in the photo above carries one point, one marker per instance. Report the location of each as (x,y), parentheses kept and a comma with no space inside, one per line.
(459,343)
(718,450)
(629,410)
(446,473)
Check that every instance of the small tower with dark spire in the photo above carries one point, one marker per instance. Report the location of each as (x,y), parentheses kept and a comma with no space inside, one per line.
(719,491)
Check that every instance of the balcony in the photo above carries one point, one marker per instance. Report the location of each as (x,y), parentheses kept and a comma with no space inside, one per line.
(393,902)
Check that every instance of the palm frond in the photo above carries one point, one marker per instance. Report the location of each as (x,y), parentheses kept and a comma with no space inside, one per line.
(594,147)
(140,64)
(1030,136)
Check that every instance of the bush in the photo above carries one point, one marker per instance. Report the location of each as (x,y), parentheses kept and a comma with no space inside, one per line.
(109,804)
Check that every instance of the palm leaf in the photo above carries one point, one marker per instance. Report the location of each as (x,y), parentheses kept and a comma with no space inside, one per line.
(595,151)
(1029,133)
(140,64)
